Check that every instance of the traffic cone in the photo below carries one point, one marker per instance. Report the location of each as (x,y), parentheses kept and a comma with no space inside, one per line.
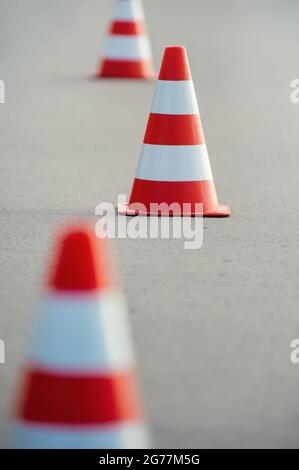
(127,53)
(174,164)
(80,388)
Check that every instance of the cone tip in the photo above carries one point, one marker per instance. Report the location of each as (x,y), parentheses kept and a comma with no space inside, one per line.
(176,48)
(175,64)
(81,261)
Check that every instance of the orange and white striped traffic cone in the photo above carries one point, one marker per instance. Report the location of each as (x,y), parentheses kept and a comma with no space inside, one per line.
(174,165)
(127,53)
(80,388)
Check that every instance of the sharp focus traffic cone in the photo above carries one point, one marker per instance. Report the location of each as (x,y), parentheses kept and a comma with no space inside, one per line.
(127,53)
(80,389)
(174,164)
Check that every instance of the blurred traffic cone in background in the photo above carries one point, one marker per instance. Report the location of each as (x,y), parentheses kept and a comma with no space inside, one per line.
(174,164)
(80,389)
(127,53)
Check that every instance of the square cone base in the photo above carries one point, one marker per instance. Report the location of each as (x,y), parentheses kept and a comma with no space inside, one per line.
(222,211)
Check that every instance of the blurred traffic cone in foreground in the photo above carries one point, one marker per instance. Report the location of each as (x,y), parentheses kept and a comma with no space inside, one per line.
(174,164)
(80,389)
(127,53)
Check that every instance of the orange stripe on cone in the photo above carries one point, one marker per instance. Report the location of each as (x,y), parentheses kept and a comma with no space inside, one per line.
(180,192)
(80,400)
(80,248)
(127,27)
(175,64)
(126,69)
(172,129)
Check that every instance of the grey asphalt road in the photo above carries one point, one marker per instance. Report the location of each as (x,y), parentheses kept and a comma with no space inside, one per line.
(212,327)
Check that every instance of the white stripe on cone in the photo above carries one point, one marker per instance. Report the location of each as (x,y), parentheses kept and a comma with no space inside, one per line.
(128,10)
(127,47)
(86,333)
(127,436)
(175,97)
(174,163)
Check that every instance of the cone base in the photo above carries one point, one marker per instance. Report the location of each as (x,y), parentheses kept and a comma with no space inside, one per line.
(222,211)
(127,70)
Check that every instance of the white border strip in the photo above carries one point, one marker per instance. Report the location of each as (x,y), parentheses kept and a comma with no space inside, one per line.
(117,436)
(128,10)
(127,47)
(175,97)
(174,163)
(83,333)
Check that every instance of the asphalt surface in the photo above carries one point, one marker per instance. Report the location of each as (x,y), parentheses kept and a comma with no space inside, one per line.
(212,327)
